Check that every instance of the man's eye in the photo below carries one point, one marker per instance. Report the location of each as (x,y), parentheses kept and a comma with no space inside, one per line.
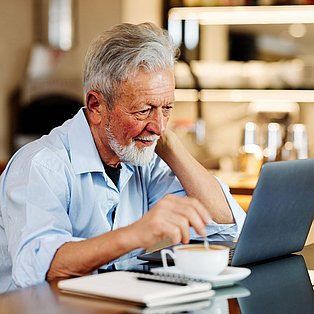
(167,108)
(145,111)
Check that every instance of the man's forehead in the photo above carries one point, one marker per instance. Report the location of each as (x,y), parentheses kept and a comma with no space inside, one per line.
(147,91)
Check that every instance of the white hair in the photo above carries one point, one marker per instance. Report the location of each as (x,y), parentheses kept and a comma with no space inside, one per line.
(117,54)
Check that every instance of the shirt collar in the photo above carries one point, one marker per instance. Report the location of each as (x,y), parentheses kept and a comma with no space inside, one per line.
(83,152)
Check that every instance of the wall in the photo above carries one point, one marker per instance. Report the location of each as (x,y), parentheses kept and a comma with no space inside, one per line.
(139,11)
(16,35)
(17,39)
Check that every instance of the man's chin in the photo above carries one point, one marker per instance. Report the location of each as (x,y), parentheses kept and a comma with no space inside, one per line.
(140,161)
(142,157)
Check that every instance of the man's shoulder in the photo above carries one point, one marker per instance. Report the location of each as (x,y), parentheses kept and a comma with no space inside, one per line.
(49,151)
(51,157)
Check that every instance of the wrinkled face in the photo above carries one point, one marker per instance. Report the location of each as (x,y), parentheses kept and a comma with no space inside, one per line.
(140,116)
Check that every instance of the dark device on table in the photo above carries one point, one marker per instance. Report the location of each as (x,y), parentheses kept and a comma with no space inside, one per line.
(279,286)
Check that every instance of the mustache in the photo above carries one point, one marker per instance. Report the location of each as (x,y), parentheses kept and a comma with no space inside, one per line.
(152,138)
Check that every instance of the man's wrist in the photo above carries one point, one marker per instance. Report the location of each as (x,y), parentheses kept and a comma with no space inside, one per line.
(127,238)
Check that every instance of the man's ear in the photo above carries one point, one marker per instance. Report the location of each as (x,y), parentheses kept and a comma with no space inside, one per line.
(95,105)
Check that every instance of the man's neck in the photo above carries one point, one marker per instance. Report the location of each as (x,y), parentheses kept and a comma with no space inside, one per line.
(112,165)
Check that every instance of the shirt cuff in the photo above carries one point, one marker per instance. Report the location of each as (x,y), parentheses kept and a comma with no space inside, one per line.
(224,232)
(238,213)
(217,232)
(34,259)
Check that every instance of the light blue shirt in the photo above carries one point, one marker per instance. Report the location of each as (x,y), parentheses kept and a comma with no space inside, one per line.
(55,190)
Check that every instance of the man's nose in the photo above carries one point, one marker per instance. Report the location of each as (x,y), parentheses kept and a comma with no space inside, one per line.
(157,123)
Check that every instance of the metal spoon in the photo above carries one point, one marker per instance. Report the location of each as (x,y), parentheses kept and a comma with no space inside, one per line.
(206,244)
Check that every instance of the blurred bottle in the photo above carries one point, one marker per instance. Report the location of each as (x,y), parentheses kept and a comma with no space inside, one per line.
(297,138)
(274,136)
(288,151)
(250,155)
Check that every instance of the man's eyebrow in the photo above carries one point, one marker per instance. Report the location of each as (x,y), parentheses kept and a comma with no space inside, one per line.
(140,106)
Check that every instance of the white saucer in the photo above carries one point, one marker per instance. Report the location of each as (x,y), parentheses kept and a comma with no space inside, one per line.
(227,278)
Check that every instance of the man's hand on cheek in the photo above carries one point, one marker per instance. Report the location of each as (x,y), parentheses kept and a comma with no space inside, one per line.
(165,143)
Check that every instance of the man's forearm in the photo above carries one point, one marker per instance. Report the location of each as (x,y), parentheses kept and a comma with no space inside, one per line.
(83,257)
(197,181)
(169,218)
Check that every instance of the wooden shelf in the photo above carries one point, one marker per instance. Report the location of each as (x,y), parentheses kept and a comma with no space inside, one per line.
(2,166)
(241,186)
(243,95)
(238,182)
(240,15)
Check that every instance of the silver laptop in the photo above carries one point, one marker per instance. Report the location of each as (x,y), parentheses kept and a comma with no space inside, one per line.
(279,216)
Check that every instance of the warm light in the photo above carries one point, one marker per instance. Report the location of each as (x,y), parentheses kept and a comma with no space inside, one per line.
(297,30)
(249,95)
(191,34)
(245,14)
(60,24)
(175,31)
(186,95)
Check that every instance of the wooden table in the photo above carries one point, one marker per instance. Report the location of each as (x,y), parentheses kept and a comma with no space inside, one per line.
(46,298)
(241,186)
(2,165)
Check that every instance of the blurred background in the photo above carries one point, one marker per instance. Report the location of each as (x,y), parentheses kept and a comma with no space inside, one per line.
(43,43)
(244,81)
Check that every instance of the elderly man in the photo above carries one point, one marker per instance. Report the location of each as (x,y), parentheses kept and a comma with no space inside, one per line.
(113,180)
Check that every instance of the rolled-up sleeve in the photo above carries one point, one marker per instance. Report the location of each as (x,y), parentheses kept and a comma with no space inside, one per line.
(34,259)
(225,232)
(36,220)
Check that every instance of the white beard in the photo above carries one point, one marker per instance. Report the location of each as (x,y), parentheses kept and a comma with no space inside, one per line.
(130,153)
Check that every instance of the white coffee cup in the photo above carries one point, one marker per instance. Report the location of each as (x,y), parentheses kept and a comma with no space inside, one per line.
(196,260)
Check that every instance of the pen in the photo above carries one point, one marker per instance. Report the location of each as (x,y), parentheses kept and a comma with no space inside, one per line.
(171,282)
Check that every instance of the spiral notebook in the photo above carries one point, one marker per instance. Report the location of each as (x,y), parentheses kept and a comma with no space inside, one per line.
(145,290)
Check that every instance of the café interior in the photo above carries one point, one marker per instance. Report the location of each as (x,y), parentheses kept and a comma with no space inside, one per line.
(244,80)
